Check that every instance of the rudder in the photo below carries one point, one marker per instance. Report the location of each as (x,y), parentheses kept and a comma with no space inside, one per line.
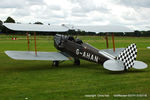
(128,56)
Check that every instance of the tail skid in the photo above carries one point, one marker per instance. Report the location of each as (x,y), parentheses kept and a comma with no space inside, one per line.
(125,60)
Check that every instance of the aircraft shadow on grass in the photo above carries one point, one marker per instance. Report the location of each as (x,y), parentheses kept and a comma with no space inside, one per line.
(47,67)
(89,66)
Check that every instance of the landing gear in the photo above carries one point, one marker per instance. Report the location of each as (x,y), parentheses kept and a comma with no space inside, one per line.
(55,63)
(76,61)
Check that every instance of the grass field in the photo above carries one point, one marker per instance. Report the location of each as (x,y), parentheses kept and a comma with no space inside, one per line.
(38,80)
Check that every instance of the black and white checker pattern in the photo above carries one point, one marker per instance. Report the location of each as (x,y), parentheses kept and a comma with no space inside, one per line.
(128,55)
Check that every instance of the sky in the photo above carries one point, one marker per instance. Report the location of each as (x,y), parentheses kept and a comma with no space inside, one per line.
(134,14)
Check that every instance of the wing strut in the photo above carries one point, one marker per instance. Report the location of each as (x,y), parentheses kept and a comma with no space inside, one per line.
(28,41)
(106,37)
(113,42)
(35,43)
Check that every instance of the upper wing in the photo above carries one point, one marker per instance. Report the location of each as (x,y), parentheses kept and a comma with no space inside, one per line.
(60,28)
(35,27)
(30,55)
(104,28)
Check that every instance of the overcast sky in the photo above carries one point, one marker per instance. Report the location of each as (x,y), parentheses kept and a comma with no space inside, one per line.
(131,13)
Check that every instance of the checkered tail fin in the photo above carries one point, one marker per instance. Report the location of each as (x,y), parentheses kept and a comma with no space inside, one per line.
(128,56)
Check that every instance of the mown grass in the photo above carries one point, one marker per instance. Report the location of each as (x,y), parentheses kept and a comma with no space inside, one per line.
(38,80)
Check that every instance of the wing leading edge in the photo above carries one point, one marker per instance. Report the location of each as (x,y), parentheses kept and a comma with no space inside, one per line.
(30,55)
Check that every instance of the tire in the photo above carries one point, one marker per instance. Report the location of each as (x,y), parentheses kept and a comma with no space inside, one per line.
(76,62)
(55,63)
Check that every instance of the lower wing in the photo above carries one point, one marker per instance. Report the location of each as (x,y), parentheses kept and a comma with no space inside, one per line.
(30,55)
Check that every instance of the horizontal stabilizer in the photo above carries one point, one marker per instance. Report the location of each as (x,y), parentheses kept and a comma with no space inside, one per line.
(30,55)
(114,65)
(124,61)
(139,65)
(111,51)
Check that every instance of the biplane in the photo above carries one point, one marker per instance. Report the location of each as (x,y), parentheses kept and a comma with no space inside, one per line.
(116,59)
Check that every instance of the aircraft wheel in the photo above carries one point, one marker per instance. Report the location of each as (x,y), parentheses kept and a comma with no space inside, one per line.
(76,62)
(55,63)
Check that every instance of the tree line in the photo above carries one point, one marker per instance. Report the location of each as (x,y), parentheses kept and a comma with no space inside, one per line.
(72,32)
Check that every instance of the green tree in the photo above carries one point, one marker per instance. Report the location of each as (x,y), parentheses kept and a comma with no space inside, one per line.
(9,20)
(137,33)
(38,23)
